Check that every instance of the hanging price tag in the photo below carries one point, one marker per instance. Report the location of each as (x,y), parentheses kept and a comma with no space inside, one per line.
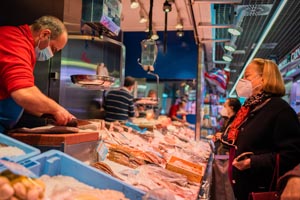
(102,150)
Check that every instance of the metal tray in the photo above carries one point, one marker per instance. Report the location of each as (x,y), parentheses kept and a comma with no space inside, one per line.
(93,81)
(146,101)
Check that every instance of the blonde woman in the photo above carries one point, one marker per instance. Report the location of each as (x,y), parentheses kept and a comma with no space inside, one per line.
(264,126)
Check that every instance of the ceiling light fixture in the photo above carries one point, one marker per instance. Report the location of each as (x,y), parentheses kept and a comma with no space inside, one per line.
(154,35)
(179,32)
(227,57)
(235,30)
(227,68)
(266,31)
(179,24)
(147,29)
(134,4)
(143,18)
(167,7)
(230,47)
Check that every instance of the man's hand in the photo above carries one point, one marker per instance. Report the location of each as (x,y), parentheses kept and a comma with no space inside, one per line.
(62,116)
(34,101)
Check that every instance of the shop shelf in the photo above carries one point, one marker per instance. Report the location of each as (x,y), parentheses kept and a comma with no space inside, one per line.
(29,150)
(54,162)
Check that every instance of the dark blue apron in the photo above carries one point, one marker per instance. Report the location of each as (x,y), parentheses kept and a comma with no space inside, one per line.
(10,113)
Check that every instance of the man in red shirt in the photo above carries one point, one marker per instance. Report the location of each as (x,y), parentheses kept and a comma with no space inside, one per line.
(20,47)
(177,111)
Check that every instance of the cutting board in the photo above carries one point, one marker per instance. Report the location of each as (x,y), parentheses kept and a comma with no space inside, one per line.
(55,139)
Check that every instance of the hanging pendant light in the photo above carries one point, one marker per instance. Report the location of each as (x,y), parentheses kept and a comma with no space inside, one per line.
(143,18)
(235,30)
(179,33)
(134,4)
(227,57)
(167,7)
(154,35)
(230,47)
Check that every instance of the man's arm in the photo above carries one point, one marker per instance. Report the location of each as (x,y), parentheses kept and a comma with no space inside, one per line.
(35,102)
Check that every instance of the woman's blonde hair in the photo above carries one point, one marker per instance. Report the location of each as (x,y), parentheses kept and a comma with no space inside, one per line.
(272,79)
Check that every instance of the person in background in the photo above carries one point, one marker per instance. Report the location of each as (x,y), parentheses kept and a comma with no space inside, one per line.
(265,126)
(221,187)
(229,110)
(177,111)
(20,48)
(140,111)
(152,94)
(289,184)
(101,70)
(185,97)
(118,104)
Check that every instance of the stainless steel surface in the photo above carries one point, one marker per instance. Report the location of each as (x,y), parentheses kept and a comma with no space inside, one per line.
(146,101)
(85,151)
(80,57)
(93,81)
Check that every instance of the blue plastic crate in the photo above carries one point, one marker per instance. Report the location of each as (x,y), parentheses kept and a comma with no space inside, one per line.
(54,162)
(29,150)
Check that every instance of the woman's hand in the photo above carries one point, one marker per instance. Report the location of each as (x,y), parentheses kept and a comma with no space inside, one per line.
(242,165)
(218,135)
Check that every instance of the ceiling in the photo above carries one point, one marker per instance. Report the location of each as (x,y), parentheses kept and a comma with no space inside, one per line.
(190,12)
(281,39)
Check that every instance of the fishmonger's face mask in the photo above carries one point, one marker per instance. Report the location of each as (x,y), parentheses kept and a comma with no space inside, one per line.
(43,54)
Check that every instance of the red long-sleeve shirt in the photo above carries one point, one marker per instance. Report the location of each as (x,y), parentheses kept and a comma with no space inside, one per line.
(17,59)
(173,110)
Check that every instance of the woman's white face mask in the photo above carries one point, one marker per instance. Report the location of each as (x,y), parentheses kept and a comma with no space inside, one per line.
(224,112)
(244,88)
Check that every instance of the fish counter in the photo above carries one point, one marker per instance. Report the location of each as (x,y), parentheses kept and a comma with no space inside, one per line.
(159,158)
